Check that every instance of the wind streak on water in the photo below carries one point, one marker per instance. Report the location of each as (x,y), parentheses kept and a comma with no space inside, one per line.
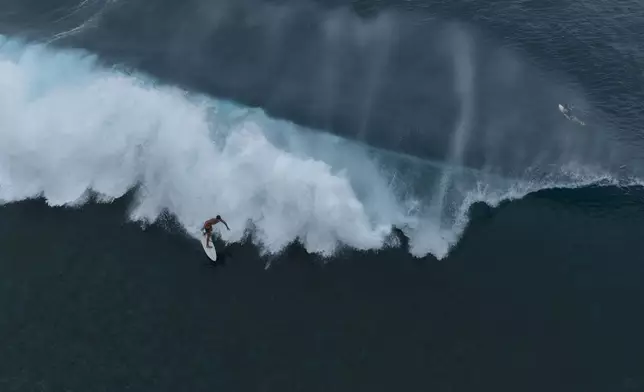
(464,86)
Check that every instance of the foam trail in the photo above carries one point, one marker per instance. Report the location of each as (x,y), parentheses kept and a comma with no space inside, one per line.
(68,126)
(89,22)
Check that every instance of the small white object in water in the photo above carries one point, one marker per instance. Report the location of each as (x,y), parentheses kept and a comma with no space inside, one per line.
(569,116)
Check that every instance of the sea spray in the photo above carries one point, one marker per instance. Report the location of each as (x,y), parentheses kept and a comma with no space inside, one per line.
(68,126)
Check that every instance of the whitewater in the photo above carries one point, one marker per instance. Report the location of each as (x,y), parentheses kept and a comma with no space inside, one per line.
(72,128)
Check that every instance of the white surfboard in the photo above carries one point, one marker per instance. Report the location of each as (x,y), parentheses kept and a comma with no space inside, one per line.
(210,252)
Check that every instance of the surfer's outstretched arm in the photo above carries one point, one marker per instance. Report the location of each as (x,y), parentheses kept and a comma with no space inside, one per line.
(224,222)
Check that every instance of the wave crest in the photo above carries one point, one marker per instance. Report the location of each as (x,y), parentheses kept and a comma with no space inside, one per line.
(68,127)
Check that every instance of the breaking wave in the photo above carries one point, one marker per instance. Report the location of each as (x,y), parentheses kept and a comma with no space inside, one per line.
(69,127)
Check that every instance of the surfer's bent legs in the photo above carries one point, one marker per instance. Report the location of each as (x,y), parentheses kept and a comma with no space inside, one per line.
(208,238)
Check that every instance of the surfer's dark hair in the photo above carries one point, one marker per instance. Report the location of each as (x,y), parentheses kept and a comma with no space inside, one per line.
(218,217)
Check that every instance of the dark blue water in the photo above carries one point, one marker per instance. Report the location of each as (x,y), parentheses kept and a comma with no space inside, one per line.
(516,263)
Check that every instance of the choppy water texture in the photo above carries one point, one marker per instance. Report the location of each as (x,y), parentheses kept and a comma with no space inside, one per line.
(315,129)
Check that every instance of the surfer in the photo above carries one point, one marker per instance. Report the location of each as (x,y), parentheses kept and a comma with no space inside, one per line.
(207,228)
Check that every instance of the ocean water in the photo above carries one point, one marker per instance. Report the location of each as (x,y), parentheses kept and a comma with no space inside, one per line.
(408,207)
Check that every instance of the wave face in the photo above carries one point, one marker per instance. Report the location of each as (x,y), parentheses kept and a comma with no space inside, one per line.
(69,126)
(412,82)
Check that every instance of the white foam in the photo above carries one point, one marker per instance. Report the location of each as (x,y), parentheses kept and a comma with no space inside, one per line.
(68,126)
(64,132)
